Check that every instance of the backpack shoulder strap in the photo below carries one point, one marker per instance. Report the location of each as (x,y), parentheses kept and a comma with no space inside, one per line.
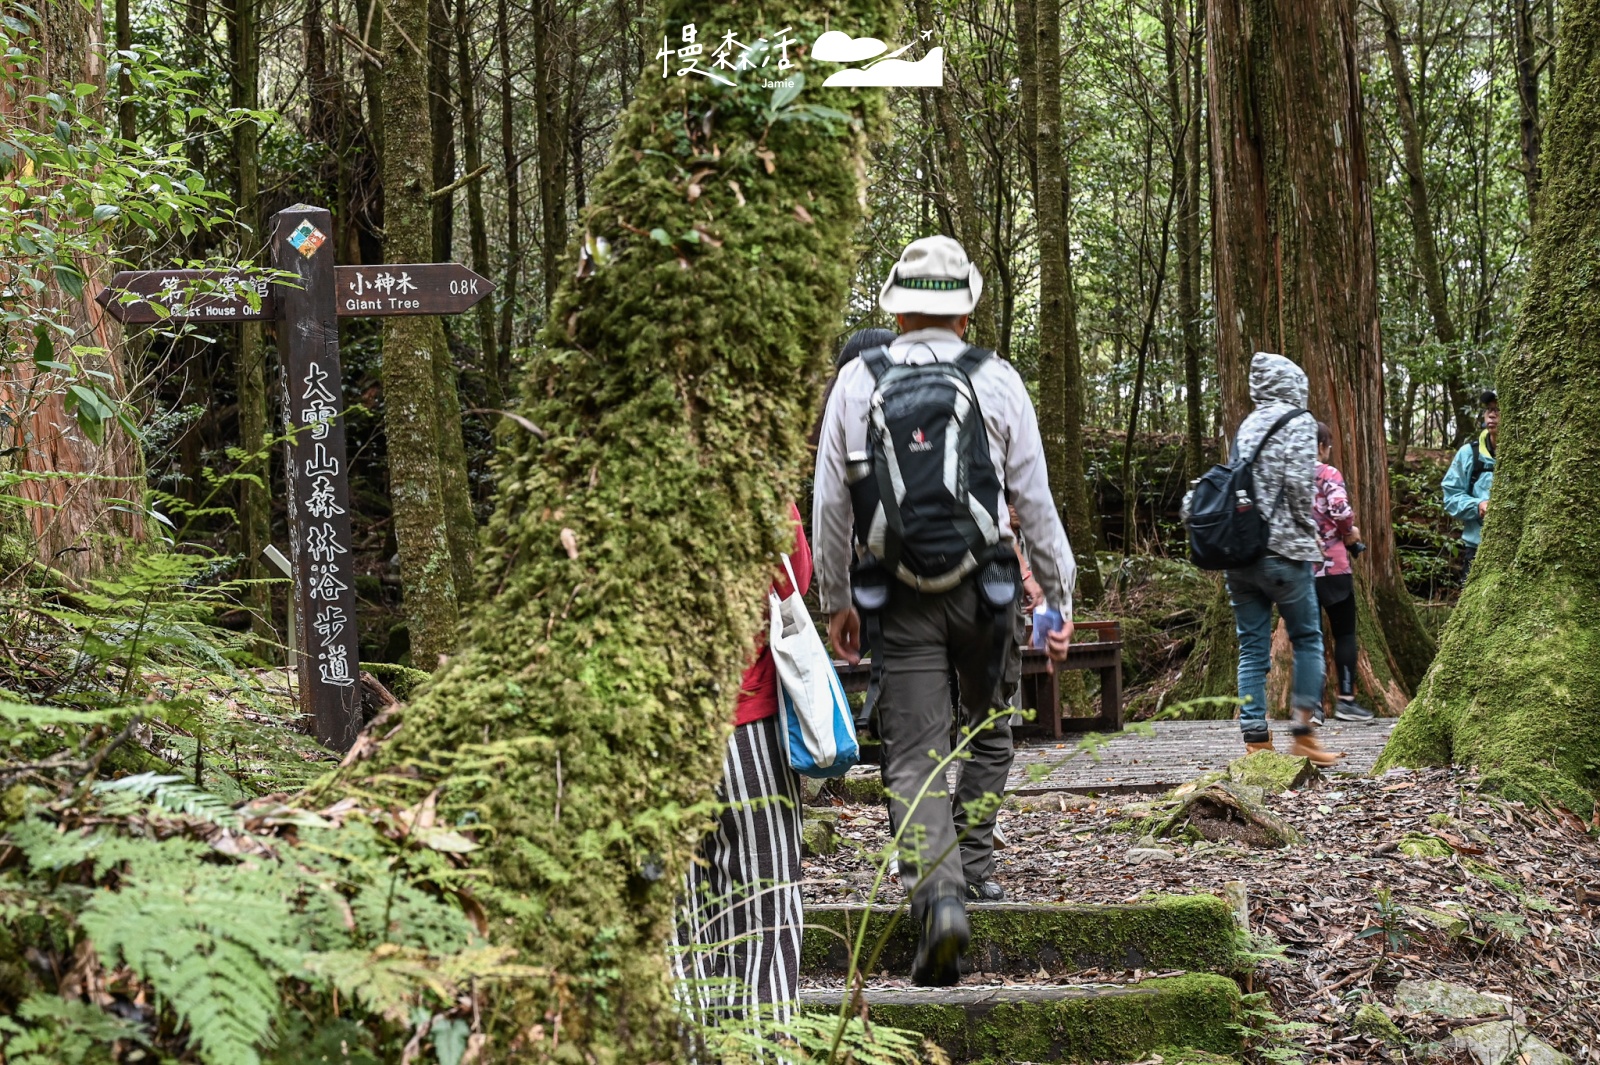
(969,361)
(1279,424)
(877,360)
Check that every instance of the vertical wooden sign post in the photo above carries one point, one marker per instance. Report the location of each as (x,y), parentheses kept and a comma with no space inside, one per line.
(317,475)
(307,310)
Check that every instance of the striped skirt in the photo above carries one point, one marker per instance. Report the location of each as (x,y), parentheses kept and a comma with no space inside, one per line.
(737,949)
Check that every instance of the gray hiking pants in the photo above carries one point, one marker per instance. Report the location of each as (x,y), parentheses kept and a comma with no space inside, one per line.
(925,637)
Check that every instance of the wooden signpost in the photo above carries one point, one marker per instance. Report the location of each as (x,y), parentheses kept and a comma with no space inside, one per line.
(307,313)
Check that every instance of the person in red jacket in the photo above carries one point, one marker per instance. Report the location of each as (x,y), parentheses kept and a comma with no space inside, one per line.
(739,941)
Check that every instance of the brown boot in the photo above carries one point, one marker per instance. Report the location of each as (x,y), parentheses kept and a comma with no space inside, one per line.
(1266,745)
(1305,745)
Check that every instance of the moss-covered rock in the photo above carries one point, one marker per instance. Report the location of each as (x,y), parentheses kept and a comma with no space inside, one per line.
(1043,1023)
(817,837)
(1170,1055)
(861,789)
(1225,812)
(1274,773)
(1372,1022)
(1191,932)
(1424,845)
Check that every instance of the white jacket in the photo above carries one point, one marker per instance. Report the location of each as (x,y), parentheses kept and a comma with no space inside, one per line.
(1014,447)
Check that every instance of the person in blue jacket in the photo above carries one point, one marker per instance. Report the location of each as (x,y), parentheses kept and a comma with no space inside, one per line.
(1466,484)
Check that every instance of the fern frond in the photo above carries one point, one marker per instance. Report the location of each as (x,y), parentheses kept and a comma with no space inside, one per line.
(175,795)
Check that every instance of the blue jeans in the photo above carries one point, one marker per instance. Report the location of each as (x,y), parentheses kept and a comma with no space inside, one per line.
(1253,591)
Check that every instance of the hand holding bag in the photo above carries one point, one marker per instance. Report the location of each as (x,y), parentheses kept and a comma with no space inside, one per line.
(813,711)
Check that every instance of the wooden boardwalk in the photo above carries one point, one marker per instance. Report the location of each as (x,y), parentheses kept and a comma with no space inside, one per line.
(1179,751)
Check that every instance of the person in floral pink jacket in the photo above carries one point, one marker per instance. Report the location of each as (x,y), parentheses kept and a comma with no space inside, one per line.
(1337,531)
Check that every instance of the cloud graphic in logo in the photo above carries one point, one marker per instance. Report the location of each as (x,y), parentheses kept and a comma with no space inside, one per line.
(836,46)
(925,73)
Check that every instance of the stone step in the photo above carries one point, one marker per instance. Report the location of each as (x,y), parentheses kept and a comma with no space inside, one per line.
(1195,933)
(1062,1023)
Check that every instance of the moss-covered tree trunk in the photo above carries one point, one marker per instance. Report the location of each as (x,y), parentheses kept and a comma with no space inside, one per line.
(583,721)
(1517,679)
(1296,270)
(416,370)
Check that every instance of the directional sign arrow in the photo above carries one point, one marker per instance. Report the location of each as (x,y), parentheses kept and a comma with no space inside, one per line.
(407,288)
(187,296)
(361,291)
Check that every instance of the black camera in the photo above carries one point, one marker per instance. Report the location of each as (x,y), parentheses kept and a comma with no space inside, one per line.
(1356,548)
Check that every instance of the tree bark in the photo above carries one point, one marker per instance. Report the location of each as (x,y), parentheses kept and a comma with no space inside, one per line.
(1444,326)
(1528,128)
(1189,248)
(1296,270)
(477,227)
(441,119)
(1060,365)
(250,365)
(125,101)
(412,421)
(1514,686)
(953,135)
(512,162)
(587,732)
(76,529)
(552,145)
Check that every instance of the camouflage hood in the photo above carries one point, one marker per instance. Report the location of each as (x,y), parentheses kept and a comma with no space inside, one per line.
(1276,380)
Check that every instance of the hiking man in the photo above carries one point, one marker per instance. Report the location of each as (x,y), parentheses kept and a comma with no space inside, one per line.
(1467,482)
(923,443)
(1285,483)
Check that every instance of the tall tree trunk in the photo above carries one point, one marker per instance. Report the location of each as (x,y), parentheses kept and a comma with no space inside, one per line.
(953,136)
(511,160)
(412,421)
(1408,410)
(477,227)
(1529,129)
(1444,326)
(1515,684)
(441,118)
(597,730)
(552,145)
(1189,246)
(1060,366)
(250,365)
(1296,269)
(125,104)
(82,525)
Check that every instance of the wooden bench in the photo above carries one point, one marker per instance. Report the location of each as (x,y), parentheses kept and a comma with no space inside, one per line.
(1096,645)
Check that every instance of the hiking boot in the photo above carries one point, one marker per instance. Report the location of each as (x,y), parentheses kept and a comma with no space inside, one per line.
(986,891)
(945,936)
(1257,741)
(1305,745)
(1350,710)
(1318,716)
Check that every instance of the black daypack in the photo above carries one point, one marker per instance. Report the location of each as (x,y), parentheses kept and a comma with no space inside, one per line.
(1228,528)
(925,492)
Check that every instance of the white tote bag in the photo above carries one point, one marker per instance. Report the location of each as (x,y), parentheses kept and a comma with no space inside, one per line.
(818,726)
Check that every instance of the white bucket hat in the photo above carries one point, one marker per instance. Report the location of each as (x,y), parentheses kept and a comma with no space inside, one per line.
(933,276)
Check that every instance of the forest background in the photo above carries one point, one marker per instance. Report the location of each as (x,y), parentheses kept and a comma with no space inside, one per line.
(1090,158)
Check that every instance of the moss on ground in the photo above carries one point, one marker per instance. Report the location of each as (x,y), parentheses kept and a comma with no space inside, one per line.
(1274,773)
(402,681)
(1372,1022)
(1192,932)
(1195,1011)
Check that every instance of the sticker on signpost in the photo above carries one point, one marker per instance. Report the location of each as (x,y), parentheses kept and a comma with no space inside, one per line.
(306,239)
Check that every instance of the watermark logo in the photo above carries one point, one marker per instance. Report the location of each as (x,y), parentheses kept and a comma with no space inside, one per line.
(835,46)
(731,57)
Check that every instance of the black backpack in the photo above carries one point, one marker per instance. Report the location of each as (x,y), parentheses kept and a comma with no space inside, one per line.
(924,494)
(1227,527)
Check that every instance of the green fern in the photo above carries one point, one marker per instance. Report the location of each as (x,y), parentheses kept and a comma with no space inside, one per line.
(170,792)
(213,941)
(49,1030)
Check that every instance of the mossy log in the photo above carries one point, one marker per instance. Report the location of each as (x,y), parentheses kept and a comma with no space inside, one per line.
(583,722)
(1224,811)
(1514,688)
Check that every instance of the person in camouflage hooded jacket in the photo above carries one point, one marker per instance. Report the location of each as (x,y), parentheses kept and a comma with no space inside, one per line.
(1285,475)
